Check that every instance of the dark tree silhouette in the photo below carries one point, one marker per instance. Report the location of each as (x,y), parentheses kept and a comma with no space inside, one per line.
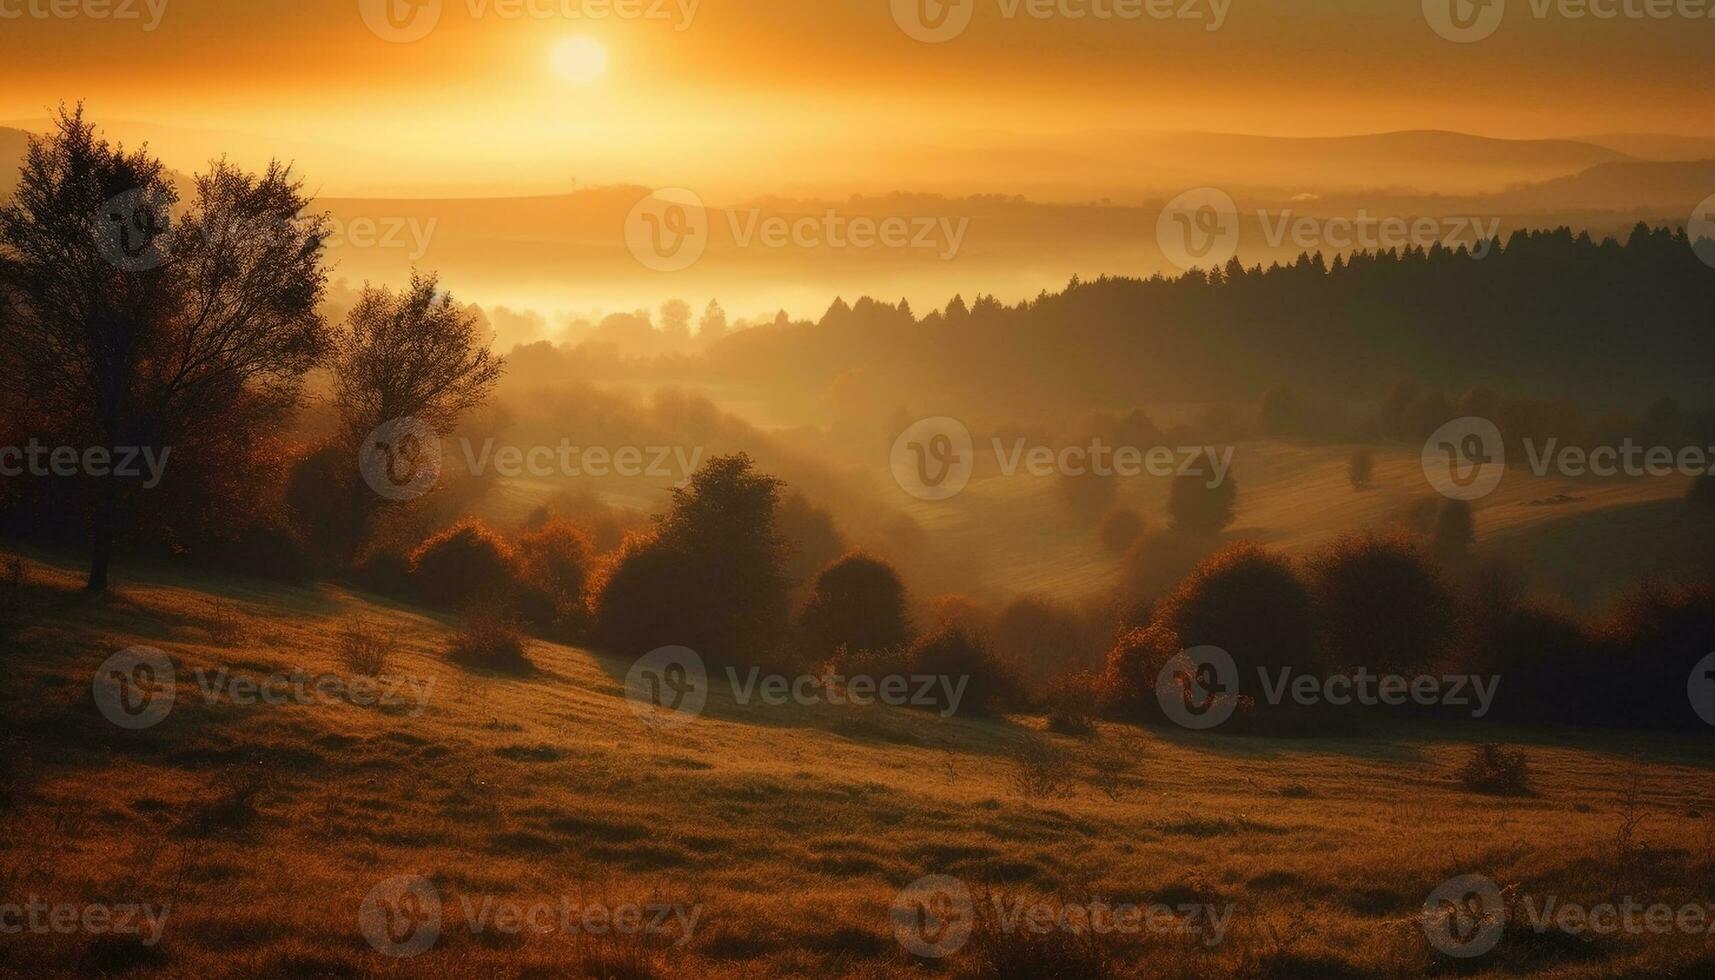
(1455,530)
(1195,507)
(128,327)
(1361,468)
(409,355)
(858,605)
(711,575)
(1380,603)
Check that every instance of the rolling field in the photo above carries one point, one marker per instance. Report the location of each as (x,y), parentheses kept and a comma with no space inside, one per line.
(1584,538)
(777,837)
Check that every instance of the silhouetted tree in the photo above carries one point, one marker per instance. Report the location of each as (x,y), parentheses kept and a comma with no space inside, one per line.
(1361,468)
(1252,605)
(710,576)
(1455,530)
(409,355)
(128,327)
(676,322)
(858,605)
(1196,507)
(1380,603)
(713,325)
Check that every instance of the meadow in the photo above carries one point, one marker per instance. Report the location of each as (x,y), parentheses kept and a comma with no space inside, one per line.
(789,830)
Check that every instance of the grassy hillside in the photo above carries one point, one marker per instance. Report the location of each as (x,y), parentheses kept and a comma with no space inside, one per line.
(792,829)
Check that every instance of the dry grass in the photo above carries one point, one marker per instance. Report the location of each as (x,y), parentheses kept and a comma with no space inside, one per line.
(792,827)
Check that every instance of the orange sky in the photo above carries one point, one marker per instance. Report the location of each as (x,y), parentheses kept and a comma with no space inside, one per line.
(771,93)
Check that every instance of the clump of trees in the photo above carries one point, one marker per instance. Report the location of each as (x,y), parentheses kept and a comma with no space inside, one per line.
(128,326)
(135,321)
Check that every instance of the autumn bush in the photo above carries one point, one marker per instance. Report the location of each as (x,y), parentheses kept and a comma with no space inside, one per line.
(1495,769)
(1380,603)
(962,658)
(1071,702)
(1127,684)
(466,563)
(487,641)
(554,565)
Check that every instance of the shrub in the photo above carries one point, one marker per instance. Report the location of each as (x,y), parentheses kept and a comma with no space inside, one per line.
(554,561)
(1658,634)
(263,546)
(1119,530)
(858,604)
(1250,604)
(225,626)
(962,659)
(1071,701)
(365,647)
(1128,682)
(1040,769)
(1195,507)
(1380,604)
(463,564)
(385,569)
(1497,770)
(488,642)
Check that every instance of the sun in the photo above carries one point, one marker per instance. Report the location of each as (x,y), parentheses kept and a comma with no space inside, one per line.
(578,60)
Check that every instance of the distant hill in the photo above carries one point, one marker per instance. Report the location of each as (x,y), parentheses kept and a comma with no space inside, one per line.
(1655,146)
(1623,186)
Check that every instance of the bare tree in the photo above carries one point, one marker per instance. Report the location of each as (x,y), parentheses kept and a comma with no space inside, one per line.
(410,355)
(126,327)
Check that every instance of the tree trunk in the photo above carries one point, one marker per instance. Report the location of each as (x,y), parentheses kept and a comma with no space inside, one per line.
(101,543)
